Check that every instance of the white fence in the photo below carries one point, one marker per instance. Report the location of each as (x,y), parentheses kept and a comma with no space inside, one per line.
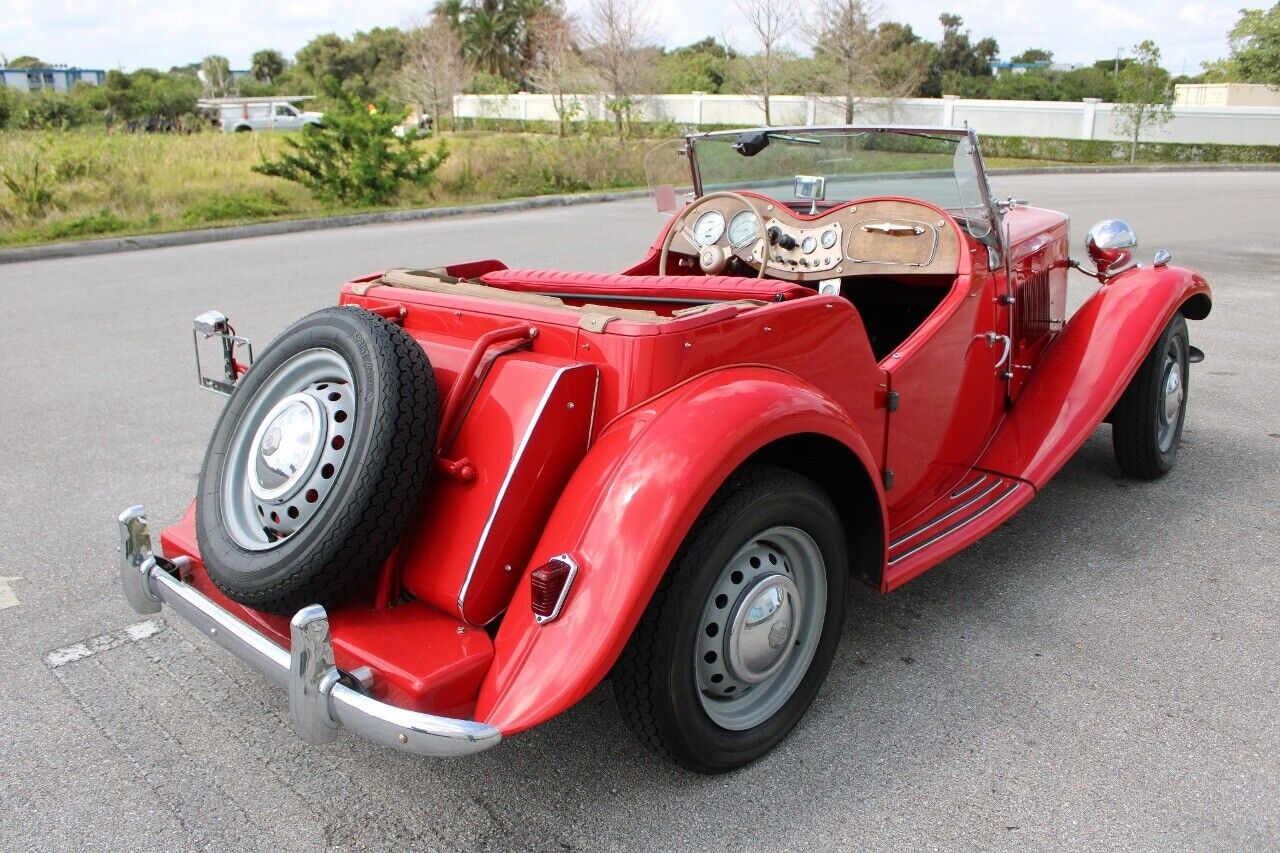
(1087,119)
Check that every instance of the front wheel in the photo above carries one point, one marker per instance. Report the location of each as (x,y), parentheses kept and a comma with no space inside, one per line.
(1146,425)
(741,632)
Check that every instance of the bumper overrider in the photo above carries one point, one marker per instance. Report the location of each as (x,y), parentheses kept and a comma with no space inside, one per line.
(322,698)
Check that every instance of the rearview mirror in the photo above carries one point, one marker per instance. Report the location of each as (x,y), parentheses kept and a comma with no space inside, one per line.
(811,188)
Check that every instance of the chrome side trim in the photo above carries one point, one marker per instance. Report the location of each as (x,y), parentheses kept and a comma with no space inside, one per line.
(982,478)
(506,483)
(959,524)
(938,519)
(319,701)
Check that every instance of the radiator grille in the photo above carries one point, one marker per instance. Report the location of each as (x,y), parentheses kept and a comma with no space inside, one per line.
(1033,320)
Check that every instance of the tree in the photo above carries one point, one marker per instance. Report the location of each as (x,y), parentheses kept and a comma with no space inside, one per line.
(364,66)
(1142,89)
(906,64)
(703,66)
(616,37)
(355,157)
(1033,54)
(266,66)
(853,62)
(497,35)
(215,74)
(1255,49)
(558,69)
(768,22)
(434,70)
(26,62)
(957,54)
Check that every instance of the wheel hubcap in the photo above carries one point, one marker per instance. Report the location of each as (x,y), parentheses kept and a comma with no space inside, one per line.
(763,628)
(1173,393)
(286,447)
(760,627)
(283,461)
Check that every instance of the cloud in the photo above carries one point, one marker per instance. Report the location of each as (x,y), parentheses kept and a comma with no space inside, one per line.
(135,33)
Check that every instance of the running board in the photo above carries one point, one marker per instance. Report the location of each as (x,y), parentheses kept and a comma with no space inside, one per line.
(982,502)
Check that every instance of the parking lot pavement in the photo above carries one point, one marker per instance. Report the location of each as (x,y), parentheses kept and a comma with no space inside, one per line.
(1100,672)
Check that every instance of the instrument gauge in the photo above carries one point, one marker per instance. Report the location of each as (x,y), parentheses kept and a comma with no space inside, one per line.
(743,228)
(709,227)
(808,244)
(828,238)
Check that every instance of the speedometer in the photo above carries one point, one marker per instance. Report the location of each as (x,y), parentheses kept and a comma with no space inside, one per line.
(709,227)
(744,227)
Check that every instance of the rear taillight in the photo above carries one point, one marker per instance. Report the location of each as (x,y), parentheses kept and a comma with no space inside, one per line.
(549,587)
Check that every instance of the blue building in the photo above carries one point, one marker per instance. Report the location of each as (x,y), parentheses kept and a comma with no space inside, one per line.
(52,78)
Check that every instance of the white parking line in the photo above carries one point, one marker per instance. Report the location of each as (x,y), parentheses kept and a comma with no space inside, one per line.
(8,598)
(134,633)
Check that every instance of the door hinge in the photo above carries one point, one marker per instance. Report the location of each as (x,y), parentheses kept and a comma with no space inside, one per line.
(891,401)
(887,476)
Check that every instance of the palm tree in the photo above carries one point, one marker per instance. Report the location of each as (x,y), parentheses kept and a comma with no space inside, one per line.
(496,35)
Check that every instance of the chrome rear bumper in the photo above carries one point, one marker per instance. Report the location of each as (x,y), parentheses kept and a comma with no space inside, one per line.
(319,696)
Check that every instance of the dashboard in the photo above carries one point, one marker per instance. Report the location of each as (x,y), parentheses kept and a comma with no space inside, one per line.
(874,237)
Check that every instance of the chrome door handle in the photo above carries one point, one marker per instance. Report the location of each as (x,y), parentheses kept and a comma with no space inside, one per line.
(991,338)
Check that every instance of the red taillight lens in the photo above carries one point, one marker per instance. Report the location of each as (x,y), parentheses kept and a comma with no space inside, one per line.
(549,587)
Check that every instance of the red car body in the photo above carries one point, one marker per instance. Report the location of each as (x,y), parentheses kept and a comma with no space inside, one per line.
(606,445)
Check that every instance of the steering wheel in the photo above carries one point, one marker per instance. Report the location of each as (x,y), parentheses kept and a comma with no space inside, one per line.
(677,227)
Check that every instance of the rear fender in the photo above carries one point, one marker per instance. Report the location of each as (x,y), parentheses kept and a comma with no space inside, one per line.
(1086,369)
(622,518)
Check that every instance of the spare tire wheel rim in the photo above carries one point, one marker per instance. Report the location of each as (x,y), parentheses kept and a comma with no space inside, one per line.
(288,448)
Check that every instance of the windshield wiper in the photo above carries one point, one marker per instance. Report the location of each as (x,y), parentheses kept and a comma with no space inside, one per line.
(802,140)
(752,143)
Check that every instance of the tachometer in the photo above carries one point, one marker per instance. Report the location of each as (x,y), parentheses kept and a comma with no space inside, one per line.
(709,227)
(744,227)
(828,238)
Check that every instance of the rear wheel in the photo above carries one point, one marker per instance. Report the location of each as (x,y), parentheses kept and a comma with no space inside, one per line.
(1146,425)
(741,632)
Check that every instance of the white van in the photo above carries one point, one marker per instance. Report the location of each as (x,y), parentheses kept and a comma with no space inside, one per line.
(241,115)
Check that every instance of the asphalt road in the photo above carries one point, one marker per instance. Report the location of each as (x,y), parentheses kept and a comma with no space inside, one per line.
(1100,672)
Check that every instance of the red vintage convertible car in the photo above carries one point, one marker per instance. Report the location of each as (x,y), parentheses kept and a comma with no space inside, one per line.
(444,511)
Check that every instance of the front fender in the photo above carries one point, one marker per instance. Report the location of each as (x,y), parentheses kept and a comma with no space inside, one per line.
(623,516)
(1088,367)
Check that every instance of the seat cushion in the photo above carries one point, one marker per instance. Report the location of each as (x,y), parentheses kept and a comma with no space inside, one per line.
(675,287)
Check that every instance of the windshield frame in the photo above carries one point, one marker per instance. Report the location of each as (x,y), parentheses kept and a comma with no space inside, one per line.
(984,187)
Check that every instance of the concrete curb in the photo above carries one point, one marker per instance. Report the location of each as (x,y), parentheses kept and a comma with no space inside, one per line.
(111,245)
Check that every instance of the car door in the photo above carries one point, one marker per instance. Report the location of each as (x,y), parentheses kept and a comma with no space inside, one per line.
(948,390)
(287,118)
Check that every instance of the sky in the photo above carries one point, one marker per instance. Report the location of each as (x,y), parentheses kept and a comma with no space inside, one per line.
(130,34)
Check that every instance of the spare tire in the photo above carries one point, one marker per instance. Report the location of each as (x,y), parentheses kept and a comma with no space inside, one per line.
(318,462)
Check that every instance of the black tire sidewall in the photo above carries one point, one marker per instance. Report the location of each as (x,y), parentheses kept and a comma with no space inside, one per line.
(324,545)
(1136,418)
(693,737)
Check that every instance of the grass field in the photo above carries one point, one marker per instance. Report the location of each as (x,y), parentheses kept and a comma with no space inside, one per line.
(100,184)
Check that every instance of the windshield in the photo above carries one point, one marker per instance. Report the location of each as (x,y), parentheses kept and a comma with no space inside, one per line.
(934,167)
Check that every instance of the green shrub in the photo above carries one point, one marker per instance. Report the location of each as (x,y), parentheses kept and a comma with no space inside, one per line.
(31,186)
(1106,151)
(52,111)
(8,105)
(232,207)
(102,222)
(355,157)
